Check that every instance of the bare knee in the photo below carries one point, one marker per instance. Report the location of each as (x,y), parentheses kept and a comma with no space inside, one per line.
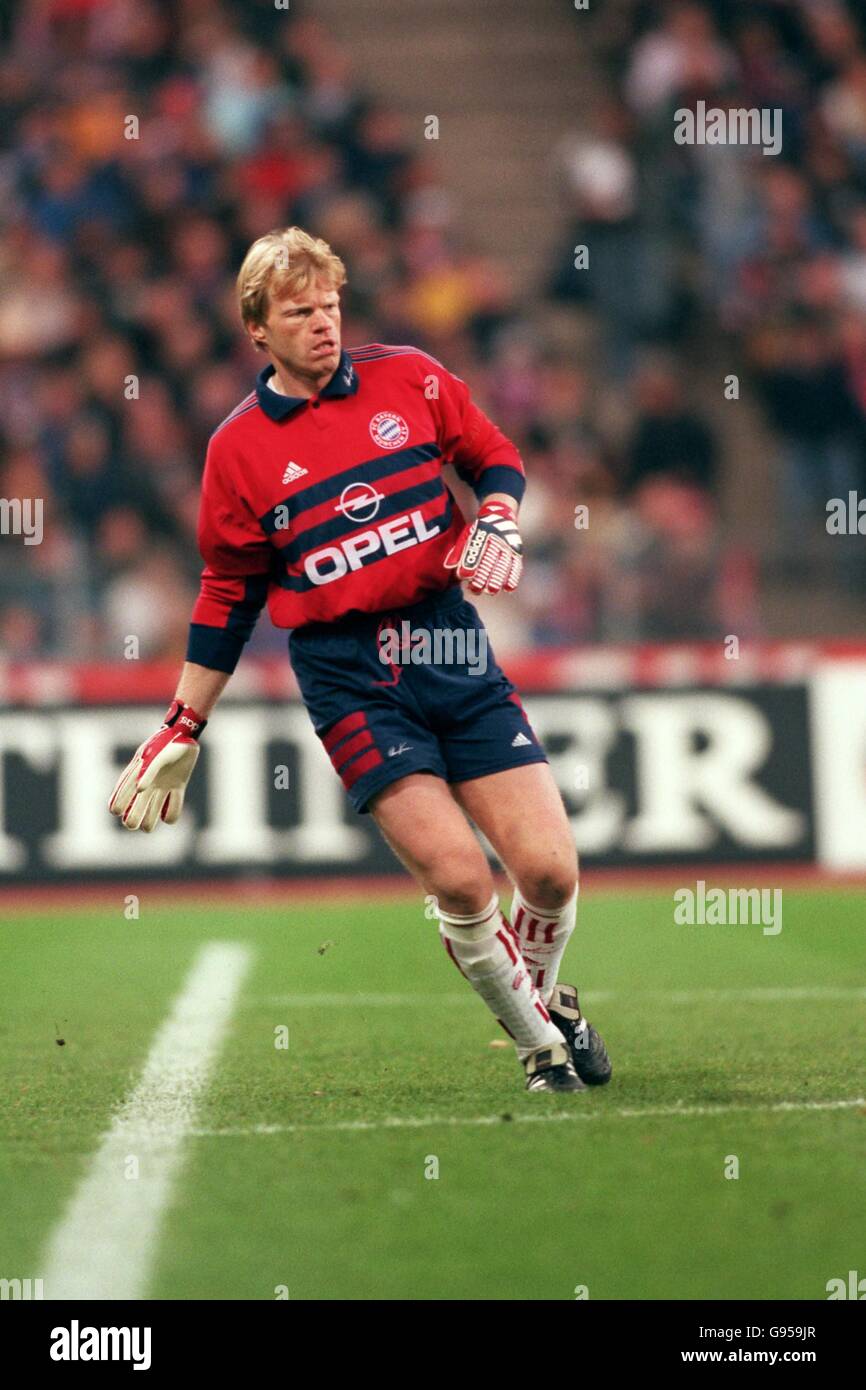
(548,881)
(462,883)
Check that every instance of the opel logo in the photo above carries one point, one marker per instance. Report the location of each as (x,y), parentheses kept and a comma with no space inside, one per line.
(359,502)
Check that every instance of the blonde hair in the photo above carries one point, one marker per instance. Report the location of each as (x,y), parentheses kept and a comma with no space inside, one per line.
(284,262)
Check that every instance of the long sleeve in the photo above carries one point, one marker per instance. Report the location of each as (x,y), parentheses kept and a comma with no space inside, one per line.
(234,582)
(482,455)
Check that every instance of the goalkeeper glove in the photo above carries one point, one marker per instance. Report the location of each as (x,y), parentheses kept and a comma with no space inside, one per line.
(489,553)
(151,787)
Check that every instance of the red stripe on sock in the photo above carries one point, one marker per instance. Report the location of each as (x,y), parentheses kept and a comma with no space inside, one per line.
(548,934)
(518,918)
(530,930)
(542,1010)
(450,949)
(508,927)
(539,979)
(503,937)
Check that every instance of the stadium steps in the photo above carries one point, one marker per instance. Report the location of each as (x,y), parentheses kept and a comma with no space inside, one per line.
(506,81)
(810,595)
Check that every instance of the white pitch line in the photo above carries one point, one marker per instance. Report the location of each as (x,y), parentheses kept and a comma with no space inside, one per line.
(106,1243)
(648,1112)
(774,994)
(768,995)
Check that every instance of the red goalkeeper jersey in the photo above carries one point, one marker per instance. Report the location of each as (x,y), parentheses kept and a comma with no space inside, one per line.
(337,505)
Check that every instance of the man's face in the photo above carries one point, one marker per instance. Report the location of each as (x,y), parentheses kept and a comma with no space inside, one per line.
(302,332)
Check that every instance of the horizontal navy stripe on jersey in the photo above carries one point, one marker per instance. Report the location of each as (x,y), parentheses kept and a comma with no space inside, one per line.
(383,466)
(342,525)
(301,583)
(498,478)
(221,647)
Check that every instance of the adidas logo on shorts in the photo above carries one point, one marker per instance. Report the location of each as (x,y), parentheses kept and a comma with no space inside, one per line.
(520,741)
(293,472)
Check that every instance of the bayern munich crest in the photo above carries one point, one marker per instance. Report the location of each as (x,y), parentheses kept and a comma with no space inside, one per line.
(389,430)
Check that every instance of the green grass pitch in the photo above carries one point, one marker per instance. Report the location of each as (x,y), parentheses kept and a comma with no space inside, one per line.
(307,1165)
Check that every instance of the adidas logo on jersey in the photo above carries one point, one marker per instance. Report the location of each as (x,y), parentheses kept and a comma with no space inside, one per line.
(293,472)
(520,740)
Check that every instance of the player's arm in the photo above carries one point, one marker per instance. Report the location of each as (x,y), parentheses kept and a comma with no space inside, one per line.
(489,552)
(201,687)
(234,582)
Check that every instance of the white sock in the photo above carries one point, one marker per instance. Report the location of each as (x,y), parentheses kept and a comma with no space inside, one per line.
(486,951)
(543,937)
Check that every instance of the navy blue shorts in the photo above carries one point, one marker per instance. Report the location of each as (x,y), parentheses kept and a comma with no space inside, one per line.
(417,690)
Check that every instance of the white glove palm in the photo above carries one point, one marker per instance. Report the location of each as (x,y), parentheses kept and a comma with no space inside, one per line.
(152,785)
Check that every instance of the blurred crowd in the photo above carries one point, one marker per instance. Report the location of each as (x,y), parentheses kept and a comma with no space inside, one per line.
(145,143)
(731,261)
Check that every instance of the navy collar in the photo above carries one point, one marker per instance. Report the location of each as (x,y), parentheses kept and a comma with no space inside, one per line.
(344,382)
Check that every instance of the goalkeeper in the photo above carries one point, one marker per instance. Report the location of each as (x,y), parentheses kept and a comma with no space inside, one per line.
(323,495)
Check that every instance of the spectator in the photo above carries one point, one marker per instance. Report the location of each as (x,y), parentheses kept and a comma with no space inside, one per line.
(668,438)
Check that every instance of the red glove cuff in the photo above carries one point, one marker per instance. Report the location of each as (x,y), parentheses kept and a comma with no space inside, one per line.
(498,509)
(185,716)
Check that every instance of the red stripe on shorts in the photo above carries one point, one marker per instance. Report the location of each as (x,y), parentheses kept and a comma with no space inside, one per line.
(372,758)
(342,728)
(362,739)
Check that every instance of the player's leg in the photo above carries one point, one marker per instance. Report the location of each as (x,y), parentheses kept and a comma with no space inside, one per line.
(428,832)
(383,746)
(499,772)
(520,811)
